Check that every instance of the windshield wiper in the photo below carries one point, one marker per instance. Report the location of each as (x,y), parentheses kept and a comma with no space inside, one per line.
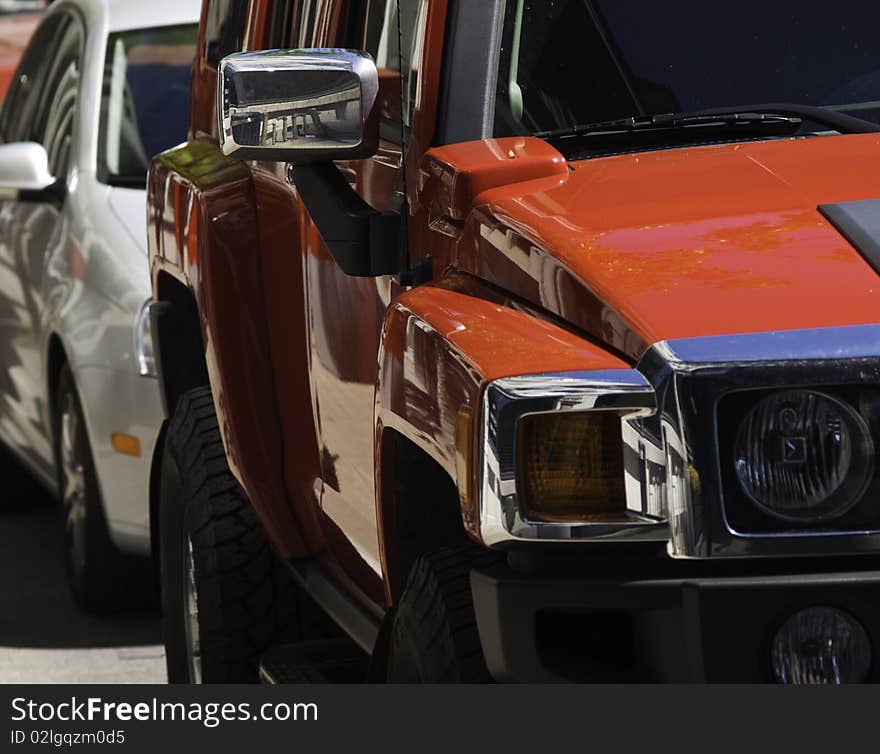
(840,122)
(674,122)
(785,117)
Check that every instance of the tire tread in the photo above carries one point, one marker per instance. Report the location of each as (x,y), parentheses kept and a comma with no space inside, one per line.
(244,603)
(436,614)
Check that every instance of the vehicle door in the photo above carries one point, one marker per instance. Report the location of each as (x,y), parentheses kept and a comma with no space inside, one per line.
(345,314)
(41,108)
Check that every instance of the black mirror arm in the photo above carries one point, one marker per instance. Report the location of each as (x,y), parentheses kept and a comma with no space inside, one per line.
(363,241)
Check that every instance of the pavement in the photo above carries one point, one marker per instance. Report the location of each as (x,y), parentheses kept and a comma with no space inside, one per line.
(44,636)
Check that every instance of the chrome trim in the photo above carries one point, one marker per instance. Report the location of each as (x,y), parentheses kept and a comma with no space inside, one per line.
(690,377)
(506,401)
(143,341)
(298,105)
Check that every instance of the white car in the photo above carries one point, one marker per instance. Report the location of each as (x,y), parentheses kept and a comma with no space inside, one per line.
(102,87)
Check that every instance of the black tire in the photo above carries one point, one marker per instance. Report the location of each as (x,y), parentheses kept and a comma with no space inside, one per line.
(102,579)
(246,600)
(434,635)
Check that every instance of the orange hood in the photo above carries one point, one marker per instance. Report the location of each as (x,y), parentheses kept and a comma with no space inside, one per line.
(645,247)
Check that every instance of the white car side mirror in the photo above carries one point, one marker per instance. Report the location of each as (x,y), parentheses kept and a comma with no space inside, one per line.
(24,168)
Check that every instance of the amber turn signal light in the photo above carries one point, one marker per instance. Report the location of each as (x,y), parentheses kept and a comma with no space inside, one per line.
(126,444)
(570,466)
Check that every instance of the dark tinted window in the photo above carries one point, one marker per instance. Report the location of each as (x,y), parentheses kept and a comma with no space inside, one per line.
(396,48)
(280,30)
(305,28)
(145,99)
(224,29)
(573,61)
(336,24)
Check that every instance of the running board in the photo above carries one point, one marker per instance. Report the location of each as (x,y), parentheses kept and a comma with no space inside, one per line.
(349,614)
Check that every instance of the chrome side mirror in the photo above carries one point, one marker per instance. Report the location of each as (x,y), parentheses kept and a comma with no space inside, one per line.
(299,106)
(24,168)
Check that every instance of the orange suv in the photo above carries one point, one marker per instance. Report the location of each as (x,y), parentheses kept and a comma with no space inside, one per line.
(521,341)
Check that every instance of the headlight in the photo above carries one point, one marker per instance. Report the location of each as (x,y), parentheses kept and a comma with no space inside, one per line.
(803,456)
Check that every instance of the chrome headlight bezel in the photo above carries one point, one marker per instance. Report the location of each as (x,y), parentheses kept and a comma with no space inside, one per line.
(508,400)
(695,376)
(747,518)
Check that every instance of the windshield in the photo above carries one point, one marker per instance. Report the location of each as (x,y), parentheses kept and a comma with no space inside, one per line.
(570,62)
(145,100)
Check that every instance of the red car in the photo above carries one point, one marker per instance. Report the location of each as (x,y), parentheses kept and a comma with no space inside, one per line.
(522,341)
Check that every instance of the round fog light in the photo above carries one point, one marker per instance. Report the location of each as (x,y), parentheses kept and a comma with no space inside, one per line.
(821,645)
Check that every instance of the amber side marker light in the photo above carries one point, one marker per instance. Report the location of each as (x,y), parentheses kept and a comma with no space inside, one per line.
(126,444)
(464,450)
(570,467)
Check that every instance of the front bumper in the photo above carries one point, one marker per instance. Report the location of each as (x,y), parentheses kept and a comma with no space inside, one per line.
(539,628)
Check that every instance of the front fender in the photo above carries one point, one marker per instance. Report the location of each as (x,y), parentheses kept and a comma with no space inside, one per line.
(204,232)
(439,349)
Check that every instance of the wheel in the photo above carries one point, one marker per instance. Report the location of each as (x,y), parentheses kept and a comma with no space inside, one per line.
(433,637)
(100,576)
(225,597)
